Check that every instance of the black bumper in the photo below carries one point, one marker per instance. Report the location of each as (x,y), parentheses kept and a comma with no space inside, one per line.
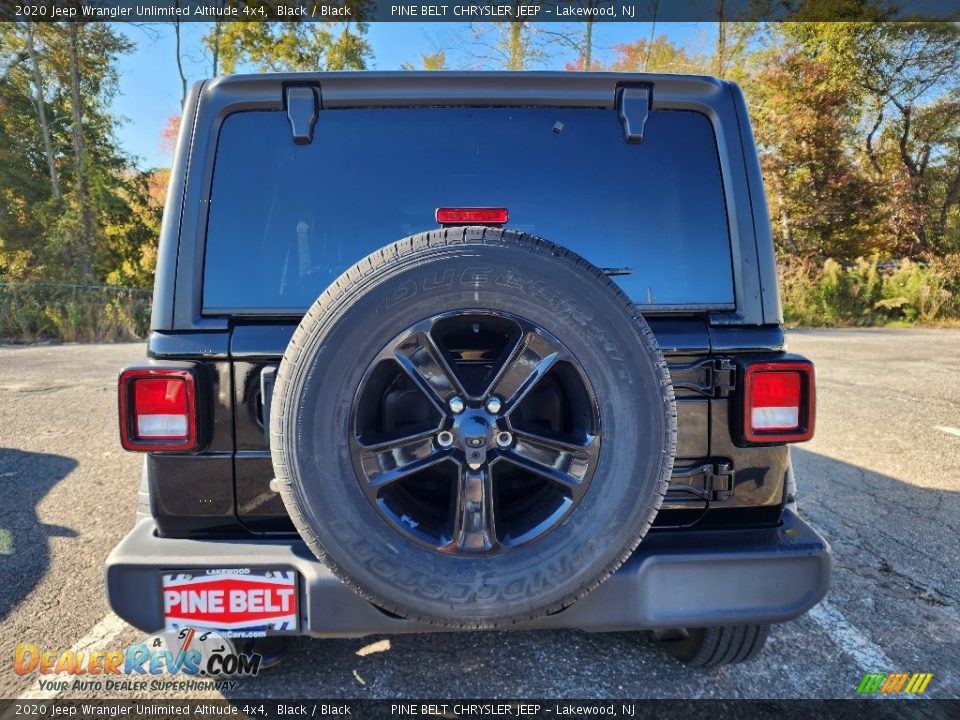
(674,579)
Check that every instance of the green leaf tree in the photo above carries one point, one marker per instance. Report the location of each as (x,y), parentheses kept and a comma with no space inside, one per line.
(285,47)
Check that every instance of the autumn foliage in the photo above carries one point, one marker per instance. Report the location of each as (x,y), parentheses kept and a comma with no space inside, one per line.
(857,126)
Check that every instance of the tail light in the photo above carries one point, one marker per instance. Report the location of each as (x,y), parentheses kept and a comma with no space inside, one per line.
(779,400)
(158,409)
(472,216)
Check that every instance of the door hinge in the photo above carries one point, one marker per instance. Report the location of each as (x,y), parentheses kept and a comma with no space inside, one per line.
(633,107)
(724,377)
(268,377)
(302,111)
(715,377)
(712,482)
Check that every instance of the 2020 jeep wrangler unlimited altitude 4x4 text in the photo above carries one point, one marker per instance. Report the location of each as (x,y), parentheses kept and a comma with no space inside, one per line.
(468,350)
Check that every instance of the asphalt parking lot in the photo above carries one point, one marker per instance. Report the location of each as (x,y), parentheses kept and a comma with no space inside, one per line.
(881,481)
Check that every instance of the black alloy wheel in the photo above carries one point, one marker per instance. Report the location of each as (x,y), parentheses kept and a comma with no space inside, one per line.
(475,433)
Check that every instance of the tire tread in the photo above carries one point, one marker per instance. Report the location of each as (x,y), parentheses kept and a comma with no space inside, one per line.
(719,645)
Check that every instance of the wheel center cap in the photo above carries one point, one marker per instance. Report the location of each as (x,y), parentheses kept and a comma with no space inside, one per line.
(473,431)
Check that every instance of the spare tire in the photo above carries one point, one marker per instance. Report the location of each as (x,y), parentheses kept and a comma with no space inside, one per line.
(473,427)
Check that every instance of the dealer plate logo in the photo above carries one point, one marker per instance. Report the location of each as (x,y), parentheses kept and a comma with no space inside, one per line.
(236,602)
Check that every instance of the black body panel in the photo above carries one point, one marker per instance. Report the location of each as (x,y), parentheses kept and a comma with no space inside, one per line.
(225,490)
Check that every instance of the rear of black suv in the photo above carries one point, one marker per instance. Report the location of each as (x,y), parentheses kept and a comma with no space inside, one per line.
(468,351)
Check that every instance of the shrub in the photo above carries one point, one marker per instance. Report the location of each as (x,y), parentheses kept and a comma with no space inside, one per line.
(72,313)
(870,293)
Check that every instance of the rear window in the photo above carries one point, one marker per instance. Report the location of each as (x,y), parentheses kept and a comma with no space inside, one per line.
(285,220)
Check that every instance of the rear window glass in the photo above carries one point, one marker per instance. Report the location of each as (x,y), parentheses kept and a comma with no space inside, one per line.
(285,220)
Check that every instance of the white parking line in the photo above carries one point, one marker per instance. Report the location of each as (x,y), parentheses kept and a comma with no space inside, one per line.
(948,430)
(850,640)
(100,637)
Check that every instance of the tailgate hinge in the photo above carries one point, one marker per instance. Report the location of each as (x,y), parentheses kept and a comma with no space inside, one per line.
(268,377)
(302,110)
(633,107)
(724,378)
(712,377)
(710,482)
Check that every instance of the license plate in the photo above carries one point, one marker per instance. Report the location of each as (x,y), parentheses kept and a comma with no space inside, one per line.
(238,602)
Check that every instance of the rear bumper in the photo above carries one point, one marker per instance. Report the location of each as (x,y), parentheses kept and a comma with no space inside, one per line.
(674,579)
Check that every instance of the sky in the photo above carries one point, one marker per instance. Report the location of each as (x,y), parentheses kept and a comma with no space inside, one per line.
(149,91)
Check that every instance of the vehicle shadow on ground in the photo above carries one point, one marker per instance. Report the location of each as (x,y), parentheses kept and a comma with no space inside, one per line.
(893,531)
(25,478)
(895,589)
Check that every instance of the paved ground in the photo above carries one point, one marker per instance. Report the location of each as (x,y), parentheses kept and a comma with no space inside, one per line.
(880,481)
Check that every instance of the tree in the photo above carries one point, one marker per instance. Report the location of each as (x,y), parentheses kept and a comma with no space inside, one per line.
(515,42)
(280,46)
(90,230)
(581,41)
(733,36)
(908,75)
(511,44)
(434,61)
(168,136)
(85,241)
(654,7)
(822,203)
(659,55)
(183,77)
(42,112)
(23,201)
(212,41)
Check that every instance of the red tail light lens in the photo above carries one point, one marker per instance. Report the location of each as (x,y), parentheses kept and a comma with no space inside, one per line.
(472,216)
(778,402)
(157,410)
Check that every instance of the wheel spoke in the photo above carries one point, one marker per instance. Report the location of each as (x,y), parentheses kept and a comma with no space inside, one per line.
(561,462)
(387,462)
(530,360)
(474,529)
(484,480)
(422,360)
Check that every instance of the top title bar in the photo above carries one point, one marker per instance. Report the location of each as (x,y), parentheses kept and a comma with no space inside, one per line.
(472,11)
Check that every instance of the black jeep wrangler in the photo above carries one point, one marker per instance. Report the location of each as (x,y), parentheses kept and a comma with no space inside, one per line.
(468,350)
